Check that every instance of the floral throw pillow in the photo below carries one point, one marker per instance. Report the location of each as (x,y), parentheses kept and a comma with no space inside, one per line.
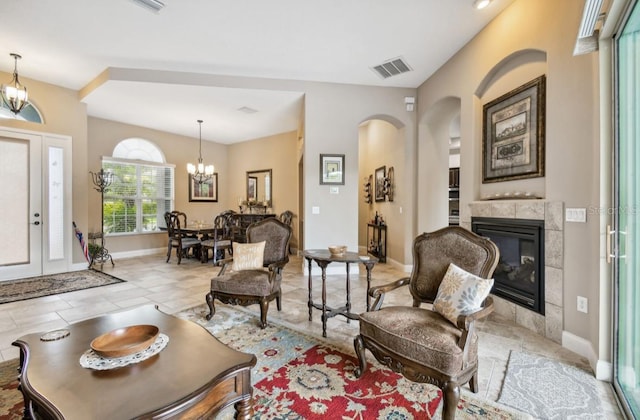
(460,293)
(248,256)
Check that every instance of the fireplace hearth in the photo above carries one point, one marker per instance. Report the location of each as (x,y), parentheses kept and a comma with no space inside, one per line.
(519,276)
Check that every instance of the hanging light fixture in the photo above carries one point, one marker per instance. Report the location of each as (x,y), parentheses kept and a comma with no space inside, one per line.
(200,172)
(14,95)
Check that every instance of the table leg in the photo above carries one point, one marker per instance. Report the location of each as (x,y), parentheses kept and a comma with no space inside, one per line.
(310,301)
(368,265)
(323,265)
(348,295)
(244,409)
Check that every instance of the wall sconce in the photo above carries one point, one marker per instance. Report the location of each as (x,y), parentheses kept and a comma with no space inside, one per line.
(409,102)
(14,95)
(367,189)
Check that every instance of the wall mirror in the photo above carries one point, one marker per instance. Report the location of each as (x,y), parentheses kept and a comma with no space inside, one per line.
(259,187)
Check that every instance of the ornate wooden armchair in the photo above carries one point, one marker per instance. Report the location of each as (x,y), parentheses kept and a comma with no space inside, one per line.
(420,343)
(254,278)
(177,239)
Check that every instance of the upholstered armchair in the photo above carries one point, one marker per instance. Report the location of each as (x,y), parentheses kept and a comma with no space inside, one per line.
(439,345)
(177,239)
(256,268)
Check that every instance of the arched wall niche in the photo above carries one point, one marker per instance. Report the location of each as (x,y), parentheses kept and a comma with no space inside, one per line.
(381,142)
(433,168)
(509,73)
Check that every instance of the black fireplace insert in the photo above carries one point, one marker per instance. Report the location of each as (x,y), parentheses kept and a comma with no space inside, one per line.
(519,276)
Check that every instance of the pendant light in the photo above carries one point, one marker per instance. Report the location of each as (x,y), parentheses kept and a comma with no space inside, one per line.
(14,94)
(200,172)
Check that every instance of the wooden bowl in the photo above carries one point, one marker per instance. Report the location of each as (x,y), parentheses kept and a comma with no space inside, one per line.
(337,250)
(125,341)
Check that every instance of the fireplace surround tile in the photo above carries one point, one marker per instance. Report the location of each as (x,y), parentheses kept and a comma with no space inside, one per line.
(530,210)
(553,286)
(551,324)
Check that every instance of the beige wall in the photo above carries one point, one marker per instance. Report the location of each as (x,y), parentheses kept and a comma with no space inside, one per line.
(277,153)
(506,54)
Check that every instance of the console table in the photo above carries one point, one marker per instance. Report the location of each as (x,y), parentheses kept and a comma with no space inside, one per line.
(323,258)
(193,377)
(377,241)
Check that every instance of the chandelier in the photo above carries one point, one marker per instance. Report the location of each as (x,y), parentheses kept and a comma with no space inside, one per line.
(14,94)
(200,172)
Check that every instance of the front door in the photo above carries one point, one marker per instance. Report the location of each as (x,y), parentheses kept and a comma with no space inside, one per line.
(35,205)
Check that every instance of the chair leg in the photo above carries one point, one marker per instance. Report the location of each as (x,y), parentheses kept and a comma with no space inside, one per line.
(473,382)
(169,252)
(179,252)
(264,308)
(450,397)
(279,300)
(212,308)
(358,344)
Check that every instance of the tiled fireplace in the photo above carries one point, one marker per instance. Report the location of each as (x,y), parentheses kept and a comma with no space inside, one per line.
(547,322)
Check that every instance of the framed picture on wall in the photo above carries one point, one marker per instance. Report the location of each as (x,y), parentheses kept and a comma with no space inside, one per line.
(380,179)
(331,169)
(513,134)
(206,191)
(252,188)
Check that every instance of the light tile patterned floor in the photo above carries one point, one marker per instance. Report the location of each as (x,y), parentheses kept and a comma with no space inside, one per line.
(175,287)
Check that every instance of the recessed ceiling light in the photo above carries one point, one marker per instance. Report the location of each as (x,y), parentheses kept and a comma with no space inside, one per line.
(481,4)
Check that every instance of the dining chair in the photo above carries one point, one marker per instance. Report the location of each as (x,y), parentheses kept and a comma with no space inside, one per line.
(222,239)
(177,239)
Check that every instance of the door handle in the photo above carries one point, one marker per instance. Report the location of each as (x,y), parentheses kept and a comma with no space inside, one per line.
(610,233)
(35,223)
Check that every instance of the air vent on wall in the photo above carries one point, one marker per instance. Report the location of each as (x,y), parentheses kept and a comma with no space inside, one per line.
(391,68)
(153,5)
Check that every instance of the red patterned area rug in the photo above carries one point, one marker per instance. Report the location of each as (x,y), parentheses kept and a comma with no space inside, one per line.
(10,398)
(303,377)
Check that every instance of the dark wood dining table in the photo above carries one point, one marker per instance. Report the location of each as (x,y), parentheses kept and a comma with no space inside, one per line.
(323,258)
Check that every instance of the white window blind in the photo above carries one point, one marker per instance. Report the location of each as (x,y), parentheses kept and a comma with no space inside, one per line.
(138,197)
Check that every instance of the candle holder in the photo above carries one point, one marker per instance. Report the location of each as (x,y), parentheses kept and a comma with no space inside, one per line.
(101,181)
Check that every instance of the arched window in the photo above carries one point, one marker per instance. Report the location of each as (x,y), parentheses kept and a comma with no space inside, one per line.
(142,189)
(28,113)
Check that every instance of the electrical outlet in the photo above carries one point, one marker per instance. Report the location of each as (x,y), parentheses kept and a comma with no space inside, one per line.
(583,304)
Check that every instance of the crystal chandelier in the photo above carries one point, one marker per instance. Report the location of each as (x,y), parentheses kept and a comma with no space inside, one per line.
(14,94)
(200,172)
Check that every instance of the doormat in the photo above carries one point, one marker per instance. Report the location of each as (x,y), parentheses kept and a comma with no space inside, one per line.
(549,389)
(33,287)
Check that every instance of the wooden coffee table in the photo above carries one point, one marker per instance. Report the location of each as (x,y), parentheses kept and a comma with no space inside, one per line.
(194,376)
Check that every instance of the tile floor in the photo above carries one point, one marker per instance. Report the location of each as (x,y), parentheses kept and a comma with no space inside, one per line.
(175,287)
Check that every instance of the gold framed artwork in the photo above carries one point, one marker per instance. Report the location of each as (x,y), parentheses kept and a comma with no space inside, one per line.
(514,133)
(205,191)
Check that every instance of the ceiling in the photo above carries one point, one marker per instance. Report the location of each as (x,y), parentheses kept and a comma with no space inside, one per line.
(71,43)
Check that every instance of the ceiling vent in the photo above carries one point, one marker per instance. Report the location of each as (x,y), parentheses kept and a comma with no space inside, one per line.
(247,110)
(391,68)
(153,5)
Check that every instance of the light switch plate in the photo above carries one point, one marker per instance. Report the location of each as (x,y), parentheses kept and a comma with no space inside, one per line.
(315,210)
(334,190)
(578,215)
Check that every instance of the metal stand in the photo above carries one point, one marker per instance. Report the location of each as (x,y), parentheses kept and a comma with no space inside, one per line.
(101,181)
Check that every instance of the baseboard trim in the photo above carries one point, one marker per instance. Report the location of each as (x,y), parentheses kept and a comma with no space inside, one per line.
(602,370)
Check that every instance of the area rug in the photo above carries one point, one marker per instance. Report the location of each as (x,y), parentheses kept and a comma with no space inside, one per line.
(10,398)
(33,287)
(299,376)
(549,389)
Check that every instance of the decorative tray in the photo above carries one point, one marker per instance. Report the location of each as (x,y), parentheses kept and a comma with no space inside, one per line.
(92,360)
(125,341)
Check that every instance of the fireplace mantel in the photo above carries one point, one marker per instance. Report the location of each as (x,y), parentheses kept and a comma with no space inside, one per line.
(549,325)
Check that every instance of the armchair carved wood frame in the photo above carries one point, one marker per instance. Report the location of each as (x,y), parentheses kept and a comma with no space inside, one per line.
(259,286)
(420,343)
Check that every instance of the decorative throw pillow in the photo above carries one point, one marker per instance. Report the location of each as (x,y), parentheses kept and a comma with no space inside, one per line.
(248,256)
(460,293)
